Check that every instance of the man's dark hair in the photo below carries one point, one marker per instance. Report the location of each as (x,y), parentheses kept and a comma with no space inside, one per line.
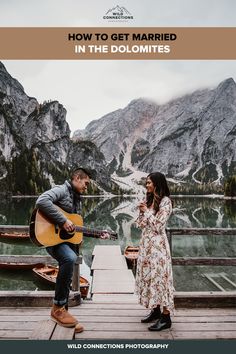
(81,172)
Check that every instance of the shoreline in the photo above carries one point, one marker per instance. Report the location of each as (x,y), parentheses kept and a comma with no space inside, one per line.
(211,196)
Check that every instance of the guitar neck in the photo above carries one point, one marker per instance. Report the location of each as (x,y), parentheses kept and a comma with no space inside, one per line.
(89,232)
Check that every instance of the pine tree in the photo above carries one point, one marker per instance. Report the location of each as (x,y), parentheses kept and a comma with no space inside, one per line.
(230,187)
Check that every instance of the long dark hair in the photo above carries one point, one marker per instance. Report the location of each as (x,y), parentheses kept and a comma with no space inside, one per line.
(161,190)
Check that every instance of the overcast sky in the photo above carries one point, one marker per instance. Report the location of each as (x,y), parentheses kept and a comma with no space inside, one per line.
(90,89)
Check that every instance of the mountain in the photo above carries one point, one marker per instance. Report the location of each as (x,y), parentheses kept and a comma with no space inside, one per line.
(36,151)
(191,139)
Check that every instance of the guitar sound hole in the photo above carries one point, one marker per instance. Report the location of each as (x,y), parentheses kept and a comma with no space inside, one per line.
(64,235)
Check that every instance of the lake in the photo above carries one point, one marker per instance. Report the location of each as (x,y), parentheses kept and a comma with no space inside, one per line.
(119,214)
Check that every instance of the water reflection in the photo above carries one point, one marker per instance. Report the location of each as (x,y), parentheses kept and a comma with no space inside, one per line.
(188,211)
(119,214)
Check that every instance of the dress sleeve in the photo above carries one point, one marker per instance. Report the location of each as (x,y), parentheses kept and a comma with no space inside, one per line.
(141,221)
(155,222)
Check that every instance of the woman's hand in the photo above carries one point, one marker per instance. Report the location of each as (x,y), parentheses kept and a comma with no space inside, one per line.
(143,207)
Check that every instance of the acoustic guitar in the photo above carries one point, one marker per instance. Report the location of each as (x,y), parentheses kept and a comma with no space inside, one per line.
(44,232)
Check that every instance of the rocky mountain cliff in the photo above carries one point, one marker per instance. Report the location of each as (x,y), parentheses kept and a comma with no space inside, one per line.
(190,139)
(35,146)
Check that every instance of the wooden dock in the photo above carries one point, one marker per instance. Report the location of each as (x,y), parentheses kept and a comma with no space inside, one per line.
(110,272)
(114,312)
(116,317)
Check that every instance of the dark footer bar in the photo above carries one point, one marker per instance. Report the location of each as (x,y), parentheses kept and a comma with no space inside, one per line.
(115,346)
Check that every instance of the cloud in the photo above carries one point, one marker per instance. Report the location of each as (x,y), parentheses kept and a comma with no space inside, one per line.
(91,89)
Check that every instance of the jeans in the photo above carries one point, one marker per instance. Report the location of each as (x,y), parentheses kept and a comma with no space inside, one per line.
(66,256)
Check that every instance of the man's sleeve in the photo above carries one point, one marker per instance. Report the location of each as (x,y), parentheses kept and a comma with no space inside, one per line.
(46,203)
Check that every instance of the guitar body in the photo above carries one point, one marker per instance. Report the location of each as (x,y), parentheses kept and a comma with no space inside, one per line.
(44,233)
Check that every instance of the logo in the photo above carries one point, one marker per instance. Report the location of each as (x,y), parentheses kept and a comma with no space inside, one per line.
(118,14)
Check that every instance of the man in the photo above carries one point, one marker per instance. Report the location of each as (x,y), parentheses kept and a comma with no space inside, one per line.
(67,197)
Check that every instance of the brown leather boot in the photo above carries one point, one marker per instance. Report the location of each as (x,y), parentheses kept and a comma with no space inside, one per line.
(61,316)
(79,328)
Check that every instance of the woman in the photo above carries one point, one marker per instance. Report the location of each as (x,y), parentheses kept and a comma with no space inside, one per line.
(154,280)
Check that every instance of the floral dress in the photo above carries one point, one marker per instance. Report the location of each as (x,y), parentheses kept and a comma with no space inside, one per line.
(154,279)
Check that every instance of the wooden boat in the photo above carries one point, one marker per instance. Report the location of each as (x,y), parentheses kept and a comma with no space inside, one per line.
(131,255)
(49,274)
(12,262)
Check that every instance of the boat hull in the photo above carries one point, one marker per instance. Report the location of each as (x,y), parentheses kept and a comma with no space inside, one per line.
(49,275)
(131,256)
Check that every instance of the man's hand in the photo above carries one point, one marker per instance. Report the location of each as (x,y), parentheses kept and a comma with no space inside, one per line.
(68,226)
(105,235)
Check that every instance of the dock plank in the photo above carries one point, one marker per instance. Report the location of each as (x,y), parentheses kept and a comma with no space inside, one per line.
(63,333)
(108,262)
(204,335)
(27,298)
(14,334)
(113,281)
(176,327)
(43,330)
(115,298)
(134,319)
(196,326)
(90,305)
(129,335)
(108,305)
(110,312)
(108,257)
(107,319)
(19,318)
(106,249)
(10,325)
